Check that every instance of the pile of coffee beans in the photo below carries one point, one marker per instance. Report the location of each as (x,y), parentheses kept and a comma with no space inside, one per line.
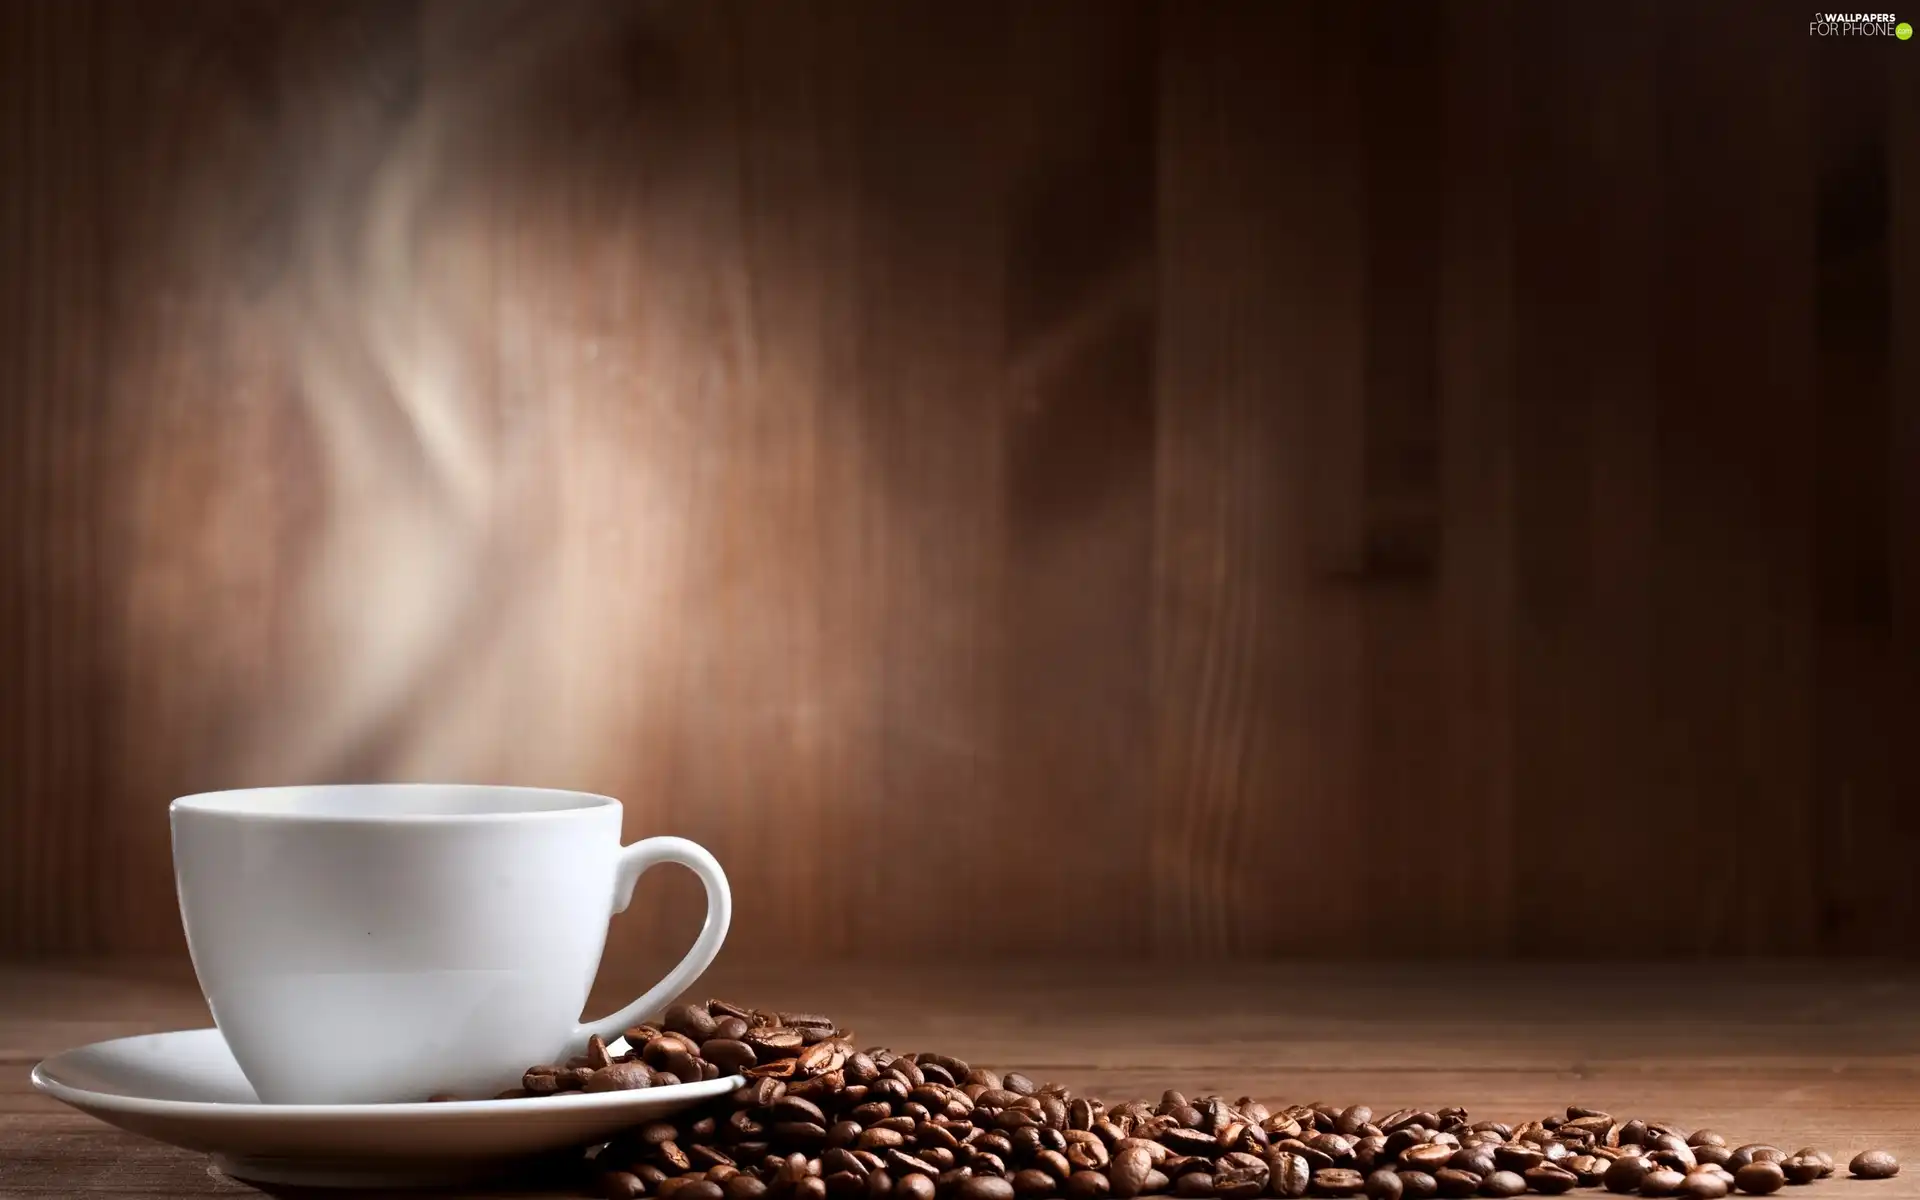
(819,1120)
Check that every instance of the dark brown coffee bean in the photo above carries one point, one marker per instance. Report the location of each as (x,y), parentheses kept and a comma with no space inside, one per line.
(1188,1141)
(1704,1185)
(1517,1157)
(1384,1185)
(1502,1184)
(1874,1164)
(916,1186)
(1632,1133)
(1662,1181)
(1032,1183)
(1760,1177)
(744,1187)
(1338,1181)
(1454,1183)
(1705,1137)
(1751,1153)
(1551,1180)
(620,1077)
(984,1187)
(1128,1171)
(1417,1185)
(650,1175)
(1086,1185)
(1587,1168)
(619,1185)
(673,1156)
(1800,1170)
(1352,1120)
(666,1079)
(701,1189)
(1627,1174)
(1711,1154)
(1477,1159)
(1194,1184)
(1680,1159)
(1821,1156)
(729,1055)
(1428,1156)
(1239,1180)
(1288,1175)
(811,1188)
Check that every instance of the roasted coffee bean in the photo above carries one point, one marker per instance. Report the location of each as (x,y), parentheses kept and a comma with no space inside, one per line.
(1188,1141)
(1517,1157)
(728,1054)
(1627,1174)
(620,1077)
(1454,1183)
(1662,1181)
(1055,1164)
(913,1187)
(1800,1169)
(1352,1120)
(1086,1185)
(1384,1185)
(1288,1175)
(984,1187)
(1477,1159)
(1711,1154)
(744,1186)
(1632,1133)
(1502,1184)
(1678,1159)
(1239,1181)
(619,1185)
(1128,1171)
(1193,1184)
(1338,1181)
(701,1189)
(1418,1185)
(1428,1156)
(1752,1153)
(1821,1156)
(1551,1180)
(1032,1183)
(1760,1177)
(1704,1185)
(1874,1164)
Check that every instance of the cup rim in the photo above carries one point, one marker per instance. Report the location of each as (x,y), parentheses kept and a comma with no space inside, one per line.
(231,803)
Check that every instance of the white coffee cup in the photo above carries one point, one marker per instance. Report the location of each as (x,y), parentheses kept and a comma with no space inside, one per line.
(384,942)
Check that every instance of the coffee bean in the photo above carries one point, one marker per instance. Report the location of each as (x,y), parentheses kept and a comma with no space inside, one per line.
(1704,1185)
(620,1077)
(1705,1137)
(701,1189)
(1710,1153)
(1384,1185)
(1337,1181)
(1874,1164)
(1760,1177)
(1821,1156)
(1428,1157)
(1453,1183)
(1128,1171)
(1031,1183)
(1288,1175)
(1418,1185)
(1627,1174)
(1353,1120)
(1517,1158)
(619,1185)
(1478,1160)
(1662,1181)
(1086,1185)
(1753,1152)
(812,1188)
(1502,1183)
(1193,1184)
(1800,1169)
(1675,1158)
(984,1187)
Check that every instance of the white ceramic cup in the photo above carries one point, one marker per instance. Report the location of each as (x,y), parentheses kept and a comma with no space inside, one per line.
(383,942)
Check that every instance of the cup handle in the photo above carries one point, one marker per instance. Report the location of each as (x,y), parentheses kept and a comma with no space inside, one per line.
(634,862)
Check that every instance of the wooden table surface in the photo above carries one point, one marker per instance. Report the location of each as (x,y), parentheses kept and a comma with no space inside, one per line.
(1790,1053)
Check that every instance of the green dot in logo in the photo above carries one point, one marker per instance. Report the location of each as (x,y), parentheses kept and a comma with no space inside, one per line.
(1903,31)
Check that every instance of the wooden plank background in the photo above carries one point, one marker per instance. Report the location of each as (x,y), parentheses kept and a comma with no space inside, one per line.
(1095,479)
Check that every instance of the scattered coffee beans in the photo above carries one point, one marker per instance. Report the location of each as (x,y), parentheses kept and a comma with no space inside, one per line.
(818,1119)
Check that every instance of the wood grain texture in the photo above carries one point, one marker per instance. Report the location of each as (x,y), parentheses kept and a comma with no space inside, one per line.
(1785,1053)
(1214,481)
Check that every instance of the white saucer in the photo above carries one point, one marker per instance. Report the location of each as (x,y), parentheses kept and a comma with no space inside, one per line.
(185,1088)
